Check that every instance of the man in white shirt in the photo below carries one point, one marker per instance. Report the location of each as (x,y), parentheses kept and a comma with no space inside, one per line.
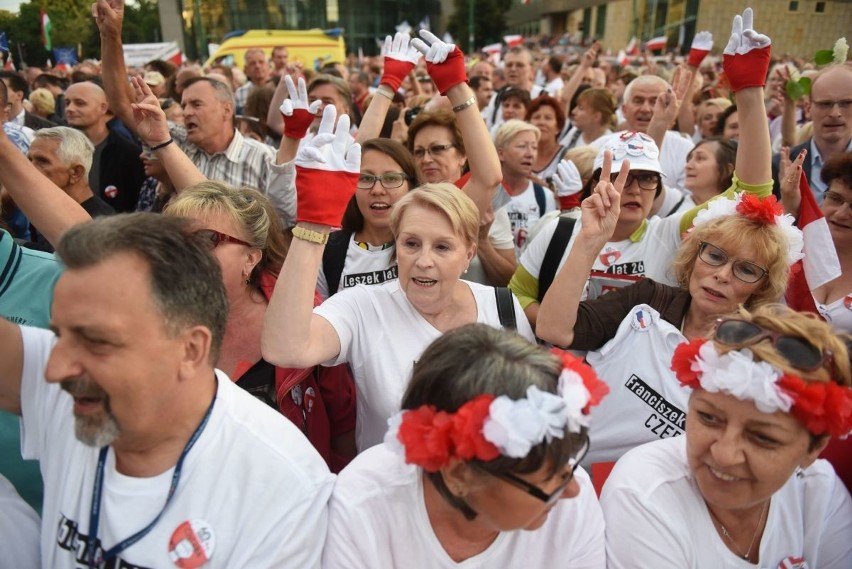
(257,73)
(150,456)
(551,68)
(518,70)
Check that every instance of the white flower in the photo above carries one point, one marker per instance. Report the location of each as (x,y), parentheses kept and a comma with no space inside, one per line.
(793,235)
(515,427)
(576,397)
(720,207)
(841,48)
(737,374)
(392,436)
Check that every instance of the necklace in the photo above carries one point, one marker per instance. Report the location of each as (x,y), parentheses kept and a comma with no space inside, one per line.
(727,535)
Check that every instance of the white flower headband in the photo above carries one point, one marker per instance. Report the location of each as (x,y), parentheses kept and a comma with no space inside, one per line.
(487,426)
(766,210)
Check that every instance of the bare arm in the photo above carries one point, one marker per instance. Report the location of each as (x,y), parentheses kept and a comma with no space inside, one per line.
(274,120)
(374,116)
(499,264)
(11,366)
(485,170)
(50,209)
(109,15)
(599,216)
(754,151)
(686,115)
(570,86)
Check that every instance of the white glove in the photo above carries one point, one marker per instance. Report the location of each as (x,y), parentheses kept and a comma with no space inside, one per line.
(333,148)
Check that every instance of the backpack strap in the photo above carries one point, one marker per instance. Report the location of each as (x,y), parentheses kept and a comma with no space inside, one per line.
(539,199)
(505,307)
(333,259)
(555,250)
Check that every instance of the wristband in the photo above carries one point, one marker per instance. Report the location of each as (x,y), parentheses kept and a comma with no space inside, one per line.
(395,71)
(748,69)
(163,145)
(310,235)
(459,108)
(384,93)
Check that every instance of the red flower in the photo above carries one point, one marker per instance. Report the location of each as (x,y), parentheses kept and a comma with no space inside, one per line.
(426,435)
(821,407)
(763,210)
(467,430)
(684,356)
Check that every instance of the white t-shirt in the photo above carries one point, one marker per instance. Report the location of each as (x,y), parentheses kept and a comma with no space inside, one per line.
(672,157)
(252,481)
(19,529)
(675,201)
(650,256)
(381,336)
(574,139)
(645,402)
(656,517)
(362,266)
(378,519)
(524,211)
(500,236)
(838,313)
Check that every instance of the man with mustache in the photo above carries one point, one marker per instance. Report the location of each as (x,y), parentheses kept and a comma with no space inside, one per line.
(150,456)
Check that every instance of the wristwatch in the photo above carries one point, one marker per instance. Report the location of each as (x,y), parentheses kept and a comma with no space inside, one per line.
(306,234)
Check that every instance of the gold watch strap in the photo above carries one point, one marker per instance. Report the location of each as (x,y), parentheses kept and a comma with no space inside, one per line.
(306,234)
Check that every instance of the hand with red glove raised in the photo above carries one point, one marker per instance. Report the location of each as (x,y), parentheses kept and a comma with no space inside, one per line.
(444,61)
(297,112)
(327,170)
(746,57)
(702,44)
(400,58)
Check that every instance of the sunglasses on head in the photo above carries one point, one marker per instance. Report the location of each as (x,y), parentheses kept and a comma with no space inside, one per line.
(798,352)
(533,490)
(213,238)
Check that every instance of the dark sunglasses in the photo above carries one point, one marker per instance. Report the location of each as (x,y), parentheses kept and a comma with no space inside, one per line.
(537,492)
(213,238)
(798,352)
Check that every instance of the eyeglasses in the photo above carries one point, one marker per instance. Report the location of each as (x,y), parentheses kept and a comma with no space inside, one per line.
(798,352)
(647,182)
(390,181)
(213,238)
(537,492)
(843,104)
(746,271)
(435,150)
(836,200)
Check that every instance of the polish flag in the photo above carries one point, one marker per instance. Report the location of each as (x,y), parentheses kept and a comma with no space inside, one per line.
(632,47)
(622,58)
(657,43)
(820,264)
(513,40)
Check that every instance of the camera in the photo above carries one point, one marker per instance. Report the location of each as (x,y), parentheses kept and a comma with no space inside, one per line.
(411,114)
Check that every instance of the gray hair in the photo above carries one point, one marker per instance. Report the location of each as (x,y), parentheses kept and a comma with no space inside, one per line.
(185,278)
(642,80)
(74,146)
(222,90)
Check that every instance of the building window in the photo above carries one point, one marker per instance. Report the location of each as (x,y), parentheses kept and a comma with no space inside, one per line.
(819,7)
(793,6)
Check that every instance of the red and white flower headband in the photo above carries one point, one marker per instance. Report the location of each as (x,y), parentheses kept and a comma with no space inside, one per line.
(766,210)
(487,427)
(821,407)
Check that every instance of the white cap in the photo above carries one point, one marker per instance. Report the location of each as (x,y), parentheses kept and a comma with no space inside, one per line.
(639,148)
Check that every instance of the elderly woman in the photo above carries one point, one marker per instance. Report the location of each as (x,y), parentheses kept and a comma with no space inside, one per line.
(743,487)
(710,168)
(458,483)
(707,117)
(379,330)
(642,247)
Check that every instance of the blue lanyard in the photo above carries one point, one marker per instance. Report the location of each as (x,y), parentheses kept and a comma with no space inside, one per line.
(95,514)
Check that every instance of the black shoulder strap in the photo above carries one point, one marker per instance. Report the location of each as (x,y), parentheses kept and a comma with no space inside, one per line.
(333,259)
(498,100)
(554,253)
(539,199)
(676,206)
(505,307)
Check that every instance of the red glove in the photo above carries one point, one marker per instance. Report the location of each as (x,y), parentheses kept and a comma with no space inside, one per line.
(448,74)
(322,196)
(746,57)
(702,43)
(297,112)
(400,59)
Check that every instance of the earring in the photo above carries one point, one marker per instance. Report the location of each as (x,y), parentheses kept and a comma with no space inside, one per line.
(800,473)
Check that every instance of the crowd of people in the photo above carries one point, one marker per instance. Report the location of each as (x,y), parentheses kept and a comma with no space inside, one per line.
(427,309)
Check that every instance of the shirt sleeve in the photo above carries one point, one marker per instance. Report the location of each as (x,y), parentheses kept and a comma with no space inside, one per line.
(524,286)
(42,404)
(500,233)
(760,190)
(281,191)
(598,320)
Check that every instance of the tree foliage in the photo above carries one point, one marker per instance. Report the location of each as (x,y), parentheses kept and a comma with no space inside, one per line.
(72,25)
(489,22)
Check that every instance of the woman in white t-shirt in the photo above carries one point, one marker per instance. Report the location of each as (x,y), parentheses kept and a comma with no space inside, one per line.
(743,487)
(593,118)
(480,467)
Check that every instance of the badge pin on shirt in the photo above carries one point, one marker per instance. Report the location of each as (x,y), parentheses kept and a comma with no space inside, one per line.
(192,544)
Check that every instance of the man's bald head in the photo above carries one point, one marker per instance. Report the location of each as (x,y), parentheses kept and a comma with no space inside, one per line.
(85,105)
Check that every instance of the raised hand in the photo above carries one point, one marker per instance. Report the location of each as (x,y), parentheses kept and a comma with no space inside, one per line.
(746,57)
(444,61)
(668,104)
(702,44)
(327,170)
(297,112)
(400,58)
(590,55)
(789,177)
(108,15)
(151,123)
(601,209)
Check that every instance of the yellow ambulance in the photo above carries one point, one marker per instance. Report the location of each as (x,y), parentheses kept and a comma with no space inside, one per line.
(313,48)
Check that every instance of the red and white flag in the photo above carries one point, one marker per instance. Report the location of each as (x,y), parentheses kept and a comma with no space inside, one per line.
(632,47)
(513,40)
(657,43)
(820,264)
